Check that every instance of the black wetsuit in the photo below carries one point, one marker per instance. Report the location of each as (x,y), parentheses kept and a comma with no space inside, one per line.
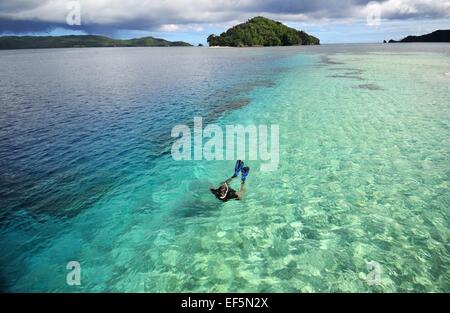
(231,194)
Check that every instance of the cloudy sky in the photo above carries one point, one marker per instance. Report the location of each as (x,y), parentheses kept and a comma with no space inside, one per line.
(333,21)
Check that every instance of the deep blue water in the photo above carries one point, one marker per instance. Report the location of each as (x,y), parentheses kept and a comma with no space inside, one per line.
(77,123)
(70,119)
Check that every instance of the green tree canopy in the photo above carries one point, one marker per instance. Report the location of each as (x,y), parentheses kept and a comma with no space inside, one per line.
(261,31)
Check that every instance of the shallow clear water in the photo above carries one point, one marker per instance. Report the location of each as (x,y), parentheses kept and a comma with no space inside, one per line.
(86,172)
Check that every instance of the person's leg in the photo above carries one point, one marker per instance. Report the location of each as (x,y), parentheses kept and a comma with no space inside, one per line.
(237,168)
(245,170)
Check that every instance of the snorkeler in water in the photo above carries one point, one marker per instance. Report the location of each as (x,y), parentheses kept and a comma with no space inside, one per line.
(225,192)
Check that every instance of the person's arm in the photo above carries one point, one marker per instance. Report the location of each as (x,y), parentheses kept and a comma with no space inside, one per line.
(229,180)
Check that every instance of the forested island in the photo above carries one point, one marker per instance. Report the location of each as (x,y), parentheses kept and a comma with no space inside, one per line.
(436,36)
(261,31)
(82,41)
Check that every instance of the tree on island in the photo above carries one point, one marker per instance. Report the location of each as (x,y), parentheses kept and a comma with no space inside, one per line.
(261,31)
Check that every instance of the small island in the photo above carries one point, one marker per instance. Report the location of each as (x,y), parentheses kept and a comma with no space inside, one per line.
(82,41)
(436,36)
(261,31)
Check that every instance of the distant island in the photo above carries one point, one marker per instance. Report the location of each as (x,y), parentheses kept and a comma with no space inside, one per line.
(261,31)
(82,41)
(436,36)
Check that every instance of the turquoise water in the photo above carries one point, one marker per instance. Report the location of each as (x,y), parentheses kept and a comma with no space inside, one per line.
(363,174)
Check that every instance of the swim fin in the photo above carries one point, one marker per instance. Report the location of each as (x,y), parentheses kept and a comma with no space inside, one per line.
(245,171)
(238,167)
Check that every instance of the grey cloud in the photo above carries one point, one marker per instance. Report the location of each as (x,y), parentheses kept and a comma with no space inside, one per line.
(322,8)
(106,18)
(11,6)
